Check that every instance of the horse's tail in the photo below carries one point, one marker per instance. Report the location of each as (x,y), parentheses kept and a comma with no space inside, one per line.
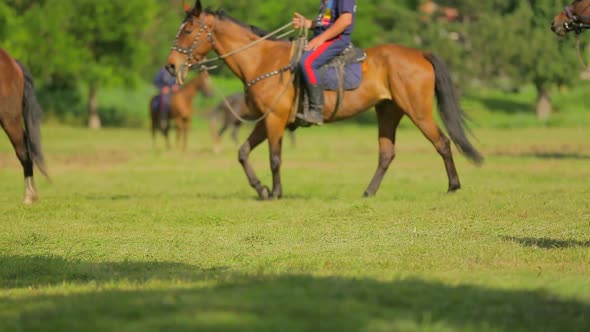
(32,113)
(449,109)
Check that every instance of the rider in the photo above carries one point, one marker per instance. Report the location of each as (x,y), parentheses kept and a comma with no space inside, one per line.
(331,35)
(166,84)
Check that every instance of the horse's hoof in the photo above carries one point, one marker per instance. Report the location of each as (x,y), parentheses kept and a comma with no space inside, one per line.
(265,194)
(367,194)
(453,188)
(30,199)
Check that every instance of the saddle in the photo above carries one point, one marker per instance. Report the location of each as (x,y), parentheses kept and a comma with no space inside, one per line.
(342,73)
(345,69)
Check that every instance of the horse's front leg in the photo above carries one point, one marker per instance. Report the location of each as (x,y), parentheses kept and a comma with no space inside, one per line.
(257,136)
(275,128)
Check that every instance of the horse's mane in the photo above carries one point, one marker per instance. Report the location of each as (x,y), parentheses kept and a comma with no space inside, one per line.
(220,14)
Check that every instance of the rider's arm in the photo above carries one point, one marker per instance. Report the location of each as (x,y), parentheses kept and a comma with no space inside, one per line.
(343,22)
(298,19)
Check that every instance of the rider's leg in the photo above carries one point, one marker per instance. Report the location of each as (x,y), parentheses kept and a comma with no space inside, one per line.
(311,62)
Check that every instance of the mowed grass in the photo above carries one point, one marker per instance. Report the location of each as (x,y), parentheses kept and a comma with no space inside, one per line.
(128,238)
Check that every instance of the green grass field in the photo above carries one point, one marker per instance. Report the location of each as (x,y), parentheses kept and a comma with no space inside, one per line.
(128,238)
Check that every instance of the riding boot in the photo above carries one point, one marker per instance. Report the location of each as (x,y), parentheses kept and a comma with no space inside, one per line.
(315,115)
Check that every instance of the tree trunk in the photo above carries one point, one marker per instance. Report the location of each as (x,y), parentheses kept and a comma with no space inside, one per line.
(93,116)
(544,108)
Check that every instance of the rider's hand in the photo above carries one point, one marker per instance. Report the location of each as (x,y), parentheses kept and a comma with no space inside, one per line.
(299,21)
(165,90)
(315,43)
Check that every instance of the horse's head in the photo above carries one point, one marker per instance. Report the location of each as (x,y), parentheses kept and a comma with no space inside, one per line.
(575,17)
(193,41)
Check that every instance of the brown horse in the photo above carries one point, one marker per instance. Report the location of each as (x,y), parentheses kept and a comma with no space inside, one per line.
(398,81)
(225,110)
(181,109)
(159,122)
(575,17)
(18,105)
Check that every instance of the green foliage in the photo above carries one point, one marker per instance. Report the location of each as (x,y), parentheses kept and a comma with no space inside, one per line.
(494,44)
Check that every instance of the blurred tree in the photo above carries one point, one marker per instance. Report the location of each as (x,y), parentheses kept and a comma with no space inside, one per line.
(510,39)
(87,44)
(520,45)
(86,41)
(544,59)
(112,34)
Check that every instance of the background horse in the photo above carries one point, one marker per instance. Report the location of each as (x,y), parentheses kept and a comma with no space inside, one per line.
(181,109)
(398,81)
(224,114)
(19,105)
(575,17)
(160,120)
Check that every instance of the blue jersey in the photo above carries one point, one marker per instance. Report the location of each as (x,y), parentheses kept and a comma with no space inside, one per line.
(163,79)
(330,11)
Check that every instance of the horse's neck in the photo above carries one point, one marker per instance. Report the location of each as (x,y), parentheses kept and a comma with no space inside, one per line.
(253,61)
(190,89)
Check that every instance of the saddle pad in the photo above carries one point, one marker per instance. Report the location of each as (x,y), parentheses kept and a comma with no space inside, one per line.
(353,75)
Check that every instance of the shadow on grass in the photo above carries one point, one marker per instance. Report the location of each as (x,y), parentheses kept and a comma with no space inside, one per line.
(229,195)
(187,298)
(546,243)
(545,155)
(36,271)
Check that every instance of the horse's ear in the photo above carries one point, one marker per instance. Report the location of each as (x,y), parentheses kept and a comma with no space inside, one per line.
(198,8)
(186,7)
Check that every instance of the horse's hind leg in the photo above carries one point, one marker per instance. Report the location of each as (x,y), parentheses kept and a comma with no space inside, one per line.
(222,130)
(388,118)
(179,129)
(16,134)
(153,122)
(423,119)
(186,127)
(154,131)
(167,137)
(235,130)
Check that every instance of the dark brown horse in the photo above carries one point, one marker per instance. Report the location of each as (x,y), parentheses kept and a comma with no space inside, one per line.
(181,109)
(18,106)
(575,17)
(398,81)
(232,112)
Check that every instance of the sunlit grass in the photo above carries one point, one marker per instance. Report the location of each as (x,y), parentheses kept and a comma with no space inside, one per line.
(129,238)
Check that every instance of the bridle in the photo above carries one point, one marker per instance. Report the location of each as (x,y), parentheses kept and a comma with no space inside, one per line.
(576,22)
(201,65)
(188,52)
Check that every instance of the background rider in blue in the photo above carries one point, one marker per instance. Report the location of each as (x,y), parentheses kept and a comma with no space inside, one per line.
(331,35)
(166,85)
